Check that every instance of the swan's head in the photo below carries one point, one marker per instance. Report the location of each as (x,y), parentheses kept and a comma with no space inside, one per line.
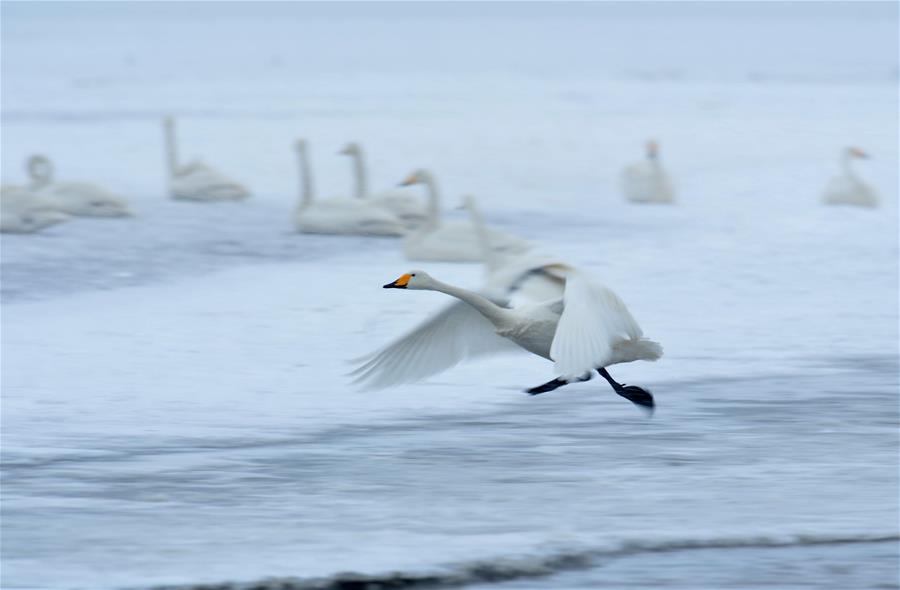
(351,149)
(652,148)
(417,177)
(414,279)
(300,145)
(40,169)
(855,152)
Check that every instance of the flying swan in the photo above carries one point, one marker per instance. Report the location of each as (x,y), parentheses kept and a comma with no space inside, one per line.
(74,198)
(338,216)
(408,208)
(587,329)
(848,188)
(197,181)
(450,241)
(23,212)
(647,181)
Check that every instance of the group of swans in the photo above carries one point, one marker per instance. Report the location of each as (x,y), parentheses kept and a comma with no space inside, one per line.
(648,182)
(392,213)
(45,202)
(533,303)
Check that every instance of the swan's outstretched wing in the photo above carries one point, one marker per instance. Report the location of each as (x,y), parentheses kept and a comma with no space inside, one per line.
(454,334)
(593,319)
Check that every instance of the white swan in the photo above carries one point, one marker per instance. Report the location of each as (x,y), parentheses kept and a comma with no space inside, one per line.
(408,208)
(75,198)
(450,241)
(197,181)
(647,181)
(848,188)
(338,216)
(587,329)
(23,212)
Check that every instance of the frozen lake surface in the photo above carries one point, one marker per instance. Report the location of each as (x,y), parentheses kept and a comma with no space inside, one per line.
(175,410)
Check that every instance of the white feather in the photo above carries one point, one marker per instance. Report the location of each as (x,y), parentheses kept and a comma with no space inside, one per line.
(593,320)
(456,333)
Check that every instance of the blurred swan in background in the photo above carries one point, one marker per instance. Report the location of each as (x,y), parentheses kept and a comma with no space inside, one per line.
(23,212)
(75,198)
(515,277)
(848,188)
(450,241)
(587,329)
(408,208)
(338,216)
(647,181)
(197,181)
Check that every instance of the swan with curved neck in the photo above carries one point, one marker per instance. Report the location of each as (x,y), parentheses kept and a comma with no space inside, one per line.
(848,188)
(73,198)
(23,212)
(586,330)
(408,208)
(647,181)
(197,181)
(451,241)
(337,216)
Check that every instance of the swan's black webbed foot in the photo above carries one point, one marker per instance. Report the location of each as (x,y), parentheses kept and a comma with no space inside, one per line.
(636,395)
(556,384)
(548,386)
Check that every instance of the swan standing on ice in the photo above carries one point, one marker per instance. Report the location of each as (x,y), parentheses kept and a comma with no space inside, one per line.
(647,181)
(848,188)
(586,330)
(23,212)
(75,198)
(197,181)
(338,216)
(450,241)
(408,208)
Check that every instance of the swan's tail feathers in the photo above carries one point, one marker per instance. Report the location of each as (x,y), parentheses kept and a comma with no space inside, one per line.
(641,349)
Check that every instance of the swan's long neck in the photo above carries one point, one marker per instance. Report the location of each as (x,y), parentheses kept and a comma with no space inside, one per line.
(171,148)
(306,179)
(489,255)
(847,166)
(434,203)
(359,170)
(493,312)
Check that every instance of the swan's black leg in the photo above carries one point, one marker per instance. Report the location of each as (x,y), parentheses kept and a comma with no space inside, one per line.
(555,384)
(636,395)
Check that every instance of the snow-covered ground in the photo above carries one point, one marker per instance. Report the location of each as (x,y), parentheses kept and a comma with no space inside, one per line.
(175,409)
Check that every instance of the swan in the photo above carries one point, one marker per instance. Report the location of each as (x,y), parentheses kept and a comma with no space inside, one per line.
(197,181)
(587,329)
(647,181)
(848,188)
(23,212)
(338,216)
(450,241)
(408,208)
(75,198)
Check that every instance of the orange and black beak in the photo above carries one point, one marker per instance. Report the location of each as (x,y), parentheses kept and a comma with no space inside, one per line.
(399,283)
(411,179)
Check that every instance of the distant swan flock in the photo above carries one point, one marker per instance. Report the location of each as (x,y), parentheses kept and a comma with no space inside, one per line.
(427,236)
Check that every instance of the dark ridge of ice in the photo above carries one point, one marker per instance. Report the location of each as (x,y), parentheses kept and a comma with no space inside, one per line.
(505,570)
